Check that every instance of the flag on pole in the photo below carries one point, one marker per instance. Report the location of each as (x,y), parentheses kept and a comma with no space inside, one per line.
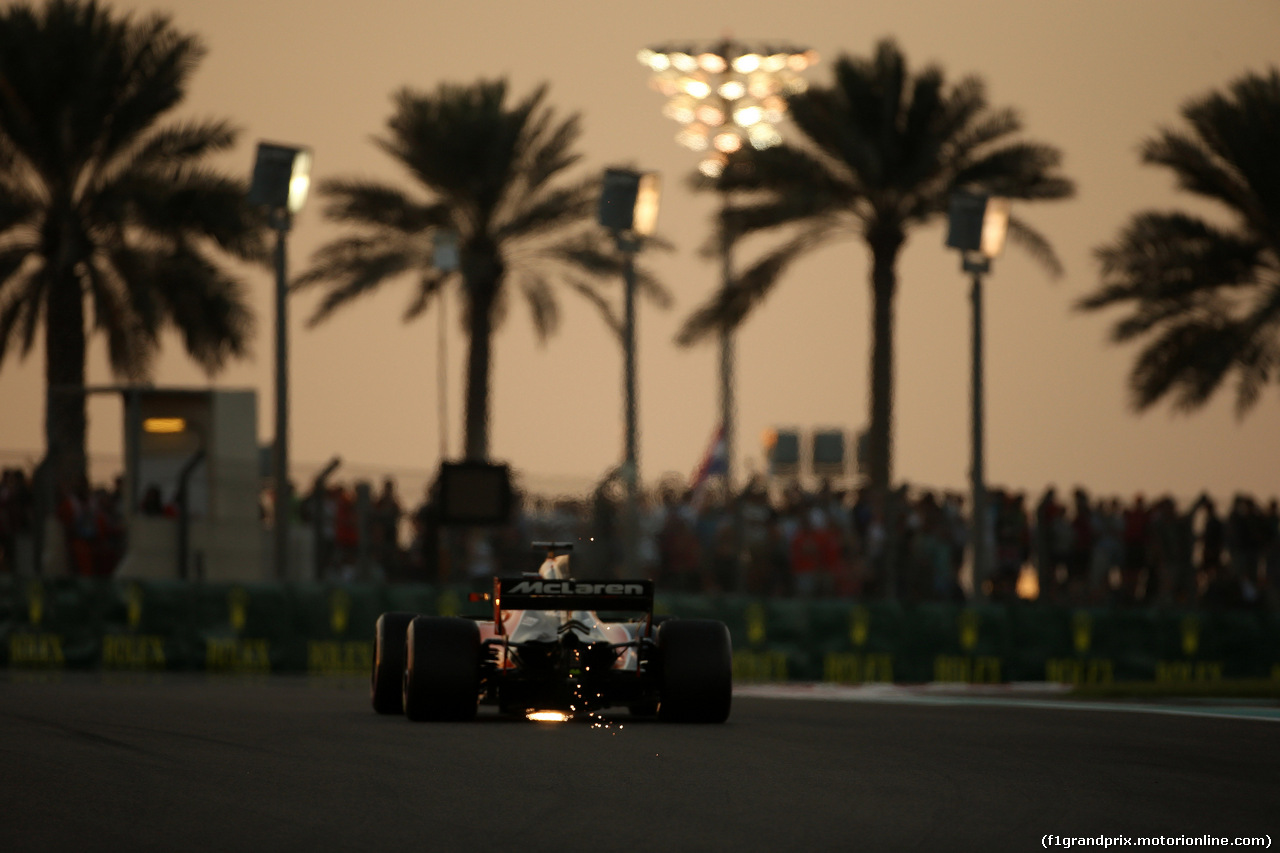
(714,461)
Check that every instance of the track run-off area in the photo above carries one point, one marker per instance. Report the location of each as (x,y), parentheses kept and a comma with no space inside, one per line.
(97,761)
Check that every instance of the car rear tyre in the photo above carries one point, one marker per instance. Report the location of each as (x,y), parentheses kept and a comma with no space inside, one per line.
(696,656)
(389,658)
(442,673)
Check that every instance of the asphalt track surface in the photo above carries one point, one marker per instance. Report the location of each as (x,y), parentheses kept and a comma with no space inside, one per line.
(189,763)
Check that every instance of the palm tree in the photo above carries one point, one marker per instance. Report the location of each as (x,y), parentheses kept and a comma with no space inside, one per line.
(1205,296)
(879,153)
(104,211)
(487,173)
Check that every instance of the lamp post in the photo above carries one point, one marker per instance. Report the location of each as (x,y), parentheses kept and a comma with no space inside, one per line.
(977,226)
(726,95)
(281,179)
(629,209)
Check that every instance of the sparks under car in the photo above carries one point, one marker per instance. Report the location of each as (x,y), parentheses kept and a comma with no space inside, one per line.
(554,645)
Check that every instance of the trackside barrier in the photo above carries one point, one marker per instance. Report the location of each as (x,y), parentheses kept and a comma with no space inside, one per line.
(74,623)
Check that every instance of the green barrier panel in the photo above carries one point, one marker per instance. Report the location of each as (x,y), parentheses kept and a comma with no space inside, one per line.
(686,605)
(246,628)
(787,620)
(744,617)
(54,623)
(1039,633)
(148,626)
(407,598)
(1237,637)
(1128,637)
(1208,646)
(337,623)
(1065,645)
(1269,645)
(770,640)
(776,662)
(9,614)
(452,600)
(1062,644)
(948,642)
(857,642)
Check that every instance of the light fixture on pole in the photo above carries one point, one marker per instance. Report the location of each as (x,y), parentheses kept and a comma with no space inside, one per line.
(281,179)
(629,209)
(727,96)
(977,225)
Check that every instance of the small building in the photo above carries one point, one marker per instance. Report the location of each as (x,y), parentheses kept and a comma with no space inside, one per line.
(192,485)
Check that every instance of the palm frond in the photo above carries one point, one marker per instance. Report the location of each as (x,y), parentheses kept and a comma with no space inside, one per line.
(730,305)
(542,305)
(20,302)
(155,69)
(1020,170)
(1258,365)
(1186,361)
(594,298)
(208,307)
(373,203)
(179,204)
(555,209)
(1035,244)
(132,342)
(429,288)
(179,144)
(548,148)
(352,276)
(1199,171)
(1162,256)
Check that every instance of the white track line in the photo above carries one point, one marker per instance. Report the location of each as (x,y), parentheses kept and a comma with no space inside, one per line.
(1028,695)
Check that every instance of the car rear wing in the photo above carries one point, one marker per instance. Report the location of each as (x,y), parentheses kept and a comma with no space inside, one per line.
(537,593)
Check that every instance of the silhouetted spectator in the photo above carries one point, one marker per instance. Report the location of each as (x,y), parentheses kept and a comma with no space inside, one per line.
(1134,563)
(386,528)
(1013,543)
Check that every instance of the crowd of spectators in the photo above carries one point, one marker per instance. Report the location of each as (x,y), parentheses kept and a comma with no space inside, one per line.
(91,520)
(841,543)
(767,540)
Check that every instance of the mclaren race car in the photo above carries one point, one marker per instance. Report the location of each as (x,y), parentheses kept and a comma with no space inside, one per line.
(556,647)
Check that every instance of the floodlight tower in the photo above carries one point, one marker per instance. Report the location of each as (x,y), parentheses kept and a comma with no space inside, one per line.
(977,225)
(628,208)
(727,96)
(281,179)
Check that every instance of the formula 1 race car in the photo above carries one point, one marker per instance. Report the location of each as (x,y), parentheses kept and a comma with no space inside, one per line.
(555,648)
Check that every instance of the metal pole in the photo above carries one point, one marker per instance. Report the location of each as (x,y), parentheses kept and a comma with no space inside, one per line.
(631,463)
(726,352)
(132,449)
(184,513)
(318,488)
(727,418)
(42,492)
(364,527)
(442,374)
(981,559)
(284,498)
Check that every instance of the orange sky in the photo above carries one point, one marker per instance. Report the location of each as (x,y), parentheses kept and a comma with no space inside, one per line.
(1093,77)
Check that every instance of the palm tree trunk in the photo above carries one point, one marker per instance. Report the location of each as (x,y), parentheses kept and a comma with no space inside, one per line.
(884,254)
(482,288)
(65,422)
